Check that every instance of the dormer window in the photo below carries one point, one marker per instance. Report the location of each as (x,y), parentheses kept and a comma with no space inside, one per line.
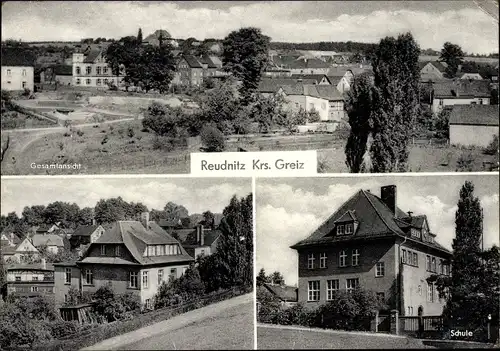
(349,228)
(415,233)
(340,229)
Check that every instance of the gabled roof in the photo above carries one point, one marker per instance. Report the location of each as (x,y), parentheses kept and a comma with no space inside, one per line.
(63,70)
(375,220)
(17,57)
(183,234)
(192,61)
(347,217)
(448,89)
(47,240)
(210,236)
(31,267)
(92,55)
(205,59)
(328,92)
(272,85)
(486,115)
(136,238)
(440,67)
(283,292)
(85,230)
(317,77)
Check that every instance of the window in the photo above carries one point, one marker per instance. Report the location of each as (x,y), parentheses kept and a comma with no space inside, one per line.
(88,82)
(480,101)
(24,75)
(78,81)
(98,70)
(151,250)
(380,269)
(342,258)
(415,232)
(430,292)
(9,72)
(103,250)
(403,259)
(65,298)
(440,267)
(428,263)
(173,273)
(88,70)
(34,278)
(349,228)
(25,84)
(322,260)
(434,265)
(202,252)
(310,261)
(415,259)
(67,275)
(133,280)
(160,250)
(340,229)
(184,269)
(440,102)
(160,276)
(105,70)
(117,250)
(105,80)
(352,284)
(419,290)
(89,277)
(18,278)
(355,257)
(34,289)
(78,70)
(148,304)
(313,290)
(331,287)
(145,279)
(98,81)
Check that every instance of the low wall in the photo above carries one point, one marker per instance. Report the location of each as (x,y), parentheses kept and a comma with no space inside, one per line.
(138,101)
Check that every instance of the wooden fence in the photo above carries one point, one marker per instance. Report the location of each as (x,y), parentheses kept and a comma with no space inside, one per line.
(425,326)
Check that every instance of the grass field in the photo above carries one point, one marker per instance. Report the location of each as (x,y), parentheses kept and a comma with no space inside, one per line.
(291,339)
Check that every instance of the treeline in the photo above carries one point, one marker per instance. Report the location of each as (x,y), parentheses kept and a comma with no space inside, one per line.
(106,211)
(342,46)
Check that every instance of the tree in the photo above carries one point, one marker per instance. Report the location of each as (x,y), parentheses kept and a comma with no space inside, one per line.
(110,210)
(209,219)
(139,36)
(473,290)
(164,120)
(33,215)
(245,55)
(359,107)
(267,111)
(174,213)
(277,278)
(262,278)
(453,56)
(395,102)
(212,139)
(313,116)
(86,216)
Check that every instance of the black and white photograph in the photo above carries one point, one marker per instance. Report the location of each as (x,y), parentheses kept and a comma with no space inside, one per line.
(120,87)
(126,263)
(392,262)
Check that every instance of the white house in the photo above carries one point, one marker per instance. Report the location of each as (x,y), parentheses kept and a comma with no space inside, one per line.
(460,92)
(18,69)
(473,125)
(52,242)
(470,76)
(24,251)
(90,69)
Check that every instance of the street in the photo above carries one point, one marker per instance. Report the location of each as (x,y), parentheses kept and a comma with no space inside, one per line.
(223,325)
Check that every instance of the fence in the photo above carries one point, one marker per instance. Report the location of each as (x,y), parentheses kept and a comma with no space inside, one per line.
(423,327)
(93,334)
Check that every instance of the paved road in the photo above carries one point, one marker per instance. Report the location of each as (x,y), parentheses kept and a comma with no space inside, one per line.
(223,325)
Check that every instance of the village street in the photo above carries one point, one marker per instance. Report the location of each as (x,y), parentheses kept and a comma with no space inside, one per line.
(224,325)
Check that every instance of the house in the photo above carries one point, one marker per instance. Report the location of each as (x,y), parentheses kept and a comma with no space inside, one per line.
(46,228)
(473,125)
(53,243)
(18,69)
(459,92)
(133,257)
(285,293)
(86,234)
(469,76)
(8,238)
(63,74)
(201,241)
(270,86)
(369,242)
(30,279)
(276,72)
(189,71)
(431,70)
(66,276)
(24,252)
(325,99)
(309,66)
(90,69)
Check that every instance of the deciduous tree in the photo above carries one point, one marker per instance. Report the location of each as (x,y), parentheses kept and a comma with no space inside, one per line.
(453,55)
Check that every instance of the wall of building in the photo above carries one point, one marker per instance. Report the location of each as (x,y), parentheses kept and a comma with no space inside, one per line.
(370,253)
(64,80)
(470,135)
(431,70)
(309,70)
(322,106)
(337,112)
(61,288)
(93,79)
(16,80)
(438,104)
(103,274)
(154,283)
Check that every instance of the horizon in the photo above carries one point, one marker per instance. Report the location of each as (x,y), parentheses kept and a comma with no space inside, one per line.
(462,23)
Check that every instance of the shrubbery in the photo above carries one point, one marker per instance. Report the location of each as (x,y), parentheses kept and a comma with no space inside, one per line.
(212,139)
(188,287)
(492,148)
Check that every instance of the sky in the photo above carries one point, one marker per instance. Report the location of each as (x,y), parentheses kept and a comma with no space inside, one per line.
(431,22)
(290,209)
(196,195)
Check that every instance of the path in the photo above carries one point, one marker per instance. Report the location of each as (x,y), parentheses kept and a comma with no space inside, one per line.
(223,325)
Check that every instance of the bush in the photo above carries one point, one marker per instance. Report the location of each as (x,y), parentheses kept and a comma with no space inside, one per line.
(212,139)
(465,162)
(59,329)
(163,143)
(492,148)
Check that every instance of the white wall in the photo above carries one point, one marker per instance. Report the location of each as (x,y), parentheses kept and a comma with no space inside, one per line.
(471,135)
(13,78)
(152,289)
(307,103)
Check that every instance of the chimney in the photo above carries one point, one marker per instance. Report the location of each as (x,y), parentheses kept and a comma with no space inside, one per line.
(202,235)
(409,213)
(44,263)
(388,194)
(94,221)
(145,219)
(200,240)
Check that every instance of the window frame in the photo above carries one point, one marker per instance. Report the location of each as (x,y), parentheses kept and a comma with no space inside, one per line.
(350,289)
(322,260)
(313,291)
(349,226)
(343,258)
(355,254)
(380,269)
(89,273)
(103,250)
(133,280)
(340,229)
(67,273)
(332,285)
(145,280)
(310,260)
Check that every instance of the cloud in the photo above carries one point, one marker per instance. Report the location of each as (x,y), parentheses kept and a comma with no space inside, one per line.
(154,193)
(472,29)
